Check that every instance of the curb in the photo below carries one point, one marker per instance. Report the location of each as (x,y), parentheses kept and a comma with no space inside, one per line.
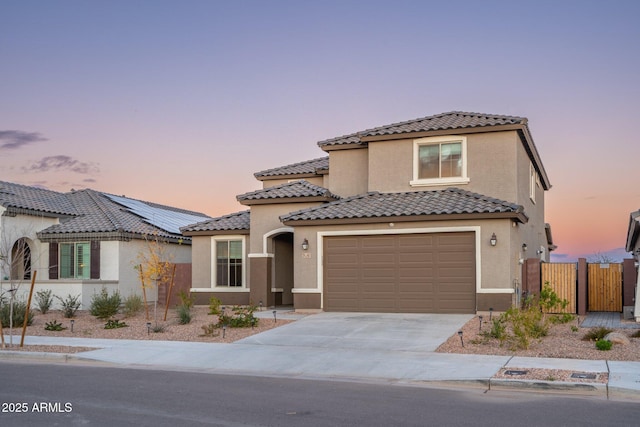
(559,387)
(9,354)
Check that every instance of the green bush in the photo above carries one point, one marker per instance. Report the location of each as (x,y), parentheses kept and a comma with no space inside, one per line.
(114,324)
(184,314)
(132,305)
(19,310)
(214,305)
(186,299)
(562,318)
(44,300)
(70,305)
(596,334)
(604,345)
(54,326)
(103,305)
(241,317)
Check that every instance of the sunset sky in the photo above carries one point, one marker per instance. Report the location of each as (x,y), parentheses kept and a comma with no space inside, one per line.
(180,102)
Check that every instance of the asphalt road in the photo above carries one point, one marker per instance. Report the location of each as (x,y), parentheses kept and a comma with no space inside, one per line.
(39,394)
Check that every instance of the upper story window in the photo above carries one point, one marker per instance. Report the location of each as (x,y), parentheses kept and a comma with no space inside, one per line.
(75,260)
(440,160)
(229,264)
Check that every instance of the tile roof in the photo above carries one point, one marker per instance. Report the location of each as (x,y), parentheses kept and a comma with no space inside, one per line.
(291,190)
(309,167)
(444,121)
(450,201)
(90,212)
(23,197)
(239,221)
(97,213)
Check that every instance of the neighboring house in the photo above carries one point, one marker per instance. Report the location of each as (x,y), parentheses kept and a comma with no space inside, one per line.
(80,241)
(430,215)
(633,246)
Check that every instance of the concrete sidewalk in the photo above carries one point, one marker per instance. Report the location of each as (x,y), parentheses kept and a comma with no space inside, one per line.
(371,350)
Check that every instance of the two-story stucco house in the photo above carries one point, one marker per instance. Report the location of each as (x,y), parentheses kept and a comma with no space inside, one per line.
(431,215)
(78,242)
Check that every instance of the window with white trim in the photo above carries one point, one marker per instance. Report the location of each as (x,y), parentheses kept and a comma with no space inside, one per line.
(440,160)
(75,260)
(229,263)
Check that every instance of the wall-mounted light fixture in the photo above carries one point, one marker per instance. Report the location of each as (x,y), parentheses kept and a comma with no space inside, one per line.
(493,240)
(524,247)
(305,244)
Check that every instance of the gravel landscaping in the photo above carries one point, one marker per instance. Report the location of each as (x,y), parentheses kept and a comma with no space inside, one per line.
(87,326)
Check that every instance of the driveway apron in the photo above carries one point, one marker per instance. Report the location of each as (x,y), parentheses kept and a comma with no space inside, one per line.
(365,331)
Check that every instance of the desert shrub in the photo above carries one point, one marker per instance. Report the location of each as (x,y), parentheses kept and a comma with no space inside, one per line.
(211,330)
(214,305)
(498,329)
(19,312)
(132,305)
(70,305)
(114,324)
(240,317)
(519,326)
(158,328)
(44,300)
(186,299)
(596,334)
(103,305)
(54,326)
(636,334)
(184,314)
(562,318)
(549,301)
(604,345)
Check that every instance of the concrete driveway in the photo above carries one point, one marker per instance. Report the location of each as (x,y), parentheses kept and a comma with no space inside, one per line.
(365,331)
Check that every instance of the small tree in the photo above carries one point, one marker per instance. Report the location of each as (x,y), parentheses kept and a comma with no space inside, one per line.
(154,267)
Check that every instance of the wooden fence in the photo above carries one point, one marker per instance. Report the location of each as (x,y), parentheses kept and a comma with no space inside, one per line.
(605,287)
(562,278)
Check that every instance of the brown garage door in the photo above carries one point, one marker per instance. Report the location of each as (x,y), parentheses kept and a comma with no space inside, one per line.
(400,273)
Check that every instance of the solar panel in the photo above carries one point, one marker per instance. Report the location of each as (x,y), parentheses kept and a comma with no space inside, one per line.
(164,219)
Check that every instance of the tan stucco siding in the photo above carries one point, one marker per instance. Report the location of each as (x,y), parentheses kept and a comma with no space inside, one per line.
(201,258)
(265,219)
(491,165)
(349,172)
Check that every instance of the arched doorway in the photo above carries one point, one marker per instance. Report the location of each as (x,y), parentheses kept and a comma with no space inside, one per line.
(21,260)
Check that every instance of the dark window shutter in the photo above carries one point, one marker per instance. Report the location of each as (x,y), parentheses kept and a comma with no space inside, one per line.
(95,260)
(53,261)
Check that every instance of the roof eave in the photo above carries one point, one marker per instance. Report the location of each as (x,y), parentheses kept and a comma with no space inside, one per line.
(107,236)
(439,132)
(515,216)
(215,232)
(284,200)
(288,176)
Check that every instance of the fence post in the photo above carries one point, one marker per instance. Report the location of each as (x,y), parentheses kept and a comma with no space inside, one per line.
(582,287)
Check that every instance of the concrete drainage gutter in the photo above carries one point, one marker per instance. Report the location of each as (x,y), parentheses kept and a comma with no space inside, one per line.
(560,387)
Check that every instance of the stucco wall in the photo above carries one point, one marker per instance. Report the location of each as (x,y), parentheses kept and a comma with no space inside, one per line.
(349,172)
(492,165)
(201,258)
